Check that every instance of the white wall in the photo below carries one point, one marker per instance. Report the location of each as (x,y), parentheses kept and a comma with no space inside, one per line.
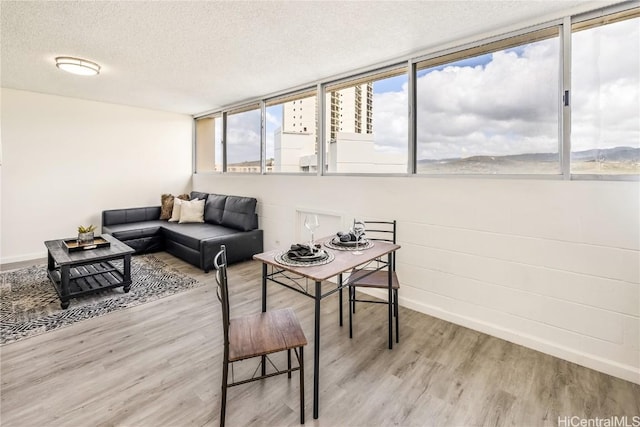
(65,160)
(552,265)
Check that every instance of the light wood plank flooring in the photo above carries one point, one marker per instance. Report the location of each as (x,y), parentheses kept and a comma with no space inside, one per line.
(159,364)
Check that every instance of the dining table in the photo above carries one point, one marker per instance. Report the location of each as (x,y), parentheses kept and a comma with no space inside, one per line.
(312,280)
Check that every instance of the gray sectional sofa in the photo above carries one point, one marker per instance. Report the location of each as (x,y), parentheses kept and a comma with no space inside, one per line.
(229,220)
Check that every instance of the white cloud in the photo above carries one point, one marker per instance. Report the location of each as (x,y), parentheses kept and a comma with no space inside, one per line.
(510,105)
(243,137)
(507,106)
(272,123)
(606,86)
(390,121)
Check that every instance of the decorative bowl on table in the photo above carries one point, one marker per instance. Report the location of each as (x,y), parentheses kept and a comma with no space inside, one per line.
(347,242)
(302,255)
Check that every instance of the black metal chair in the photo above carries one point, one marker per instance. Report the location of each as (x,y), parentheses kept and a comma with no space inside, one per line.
(364,278)
(257,335)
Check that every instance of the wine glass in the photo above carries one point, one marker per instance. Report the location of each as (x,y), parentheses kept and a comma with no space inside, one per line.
(358,230)
(311,223)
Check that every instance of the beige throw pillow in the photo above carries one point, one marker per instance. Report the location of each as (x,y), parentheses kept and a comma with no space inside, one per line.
(175,213)
(192,211)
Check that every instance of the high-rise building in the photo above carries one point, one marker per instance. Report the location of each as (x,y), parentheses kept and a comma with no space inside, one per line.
(350,110)
(348,123)
(299,116)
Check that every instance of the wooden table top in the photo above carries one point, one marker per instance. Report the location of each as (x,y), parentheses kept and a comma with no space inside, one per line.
(344,260)
(62,257)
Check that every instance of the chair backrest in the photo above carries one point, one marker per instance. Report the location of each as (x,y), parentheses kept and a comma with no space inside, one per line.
(222,291)
(382,231)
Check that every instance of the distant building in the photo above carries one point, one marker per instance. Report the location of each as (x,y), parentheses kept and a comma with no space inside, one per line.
(250,166)
(299,116)
(349,112)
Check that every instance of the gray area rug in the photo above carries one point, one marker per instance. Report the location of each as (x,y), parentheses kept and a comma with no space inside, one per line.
(29,305)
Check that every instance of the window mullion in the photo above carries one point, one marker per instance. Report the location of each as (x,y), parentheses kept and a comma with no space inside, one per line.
(412,153)
(565,100)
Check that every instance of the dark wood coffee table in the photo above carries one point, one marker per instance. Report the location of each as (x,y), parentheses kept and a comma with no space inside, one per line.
(80,273)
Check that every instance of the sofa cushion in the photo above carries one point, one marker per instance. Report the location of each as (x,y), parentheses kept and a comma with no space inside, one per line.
(192,211)
(199,195)
(214,208)
(240,213)
(191,234)
(122,216)
(134,230)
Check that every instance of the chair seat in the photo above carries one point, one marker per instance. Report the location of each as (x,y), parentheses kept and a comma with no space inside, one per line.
(264,333)
(377,279)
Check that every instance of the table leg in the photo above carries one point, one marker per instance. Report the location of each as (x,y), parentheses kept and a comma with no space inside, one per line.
(264,287)
(340,296)
(264,309)
(51,263)
(127,273)
(390,283)
(64,286)
(316,352)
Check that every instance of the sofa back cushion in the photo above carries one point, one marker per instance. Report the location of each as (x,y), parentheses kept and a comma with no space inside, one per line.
(199,195)
(240,213)
(124,216)
(214,208)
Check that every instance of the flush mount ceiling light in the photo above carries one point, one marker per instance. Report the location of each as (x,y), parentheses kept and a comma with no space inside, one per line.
(78,66)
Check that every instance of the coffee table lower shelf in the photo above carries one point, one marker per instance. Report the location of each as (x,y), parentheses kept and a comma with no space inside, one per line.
(87,279)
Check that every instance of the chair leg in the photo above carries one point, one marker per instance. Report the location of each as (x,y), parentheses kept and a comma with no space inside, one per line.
(223,401)
(301,364)
(397,310)
(289,363)
(353,300)
(351,297)
(340,297)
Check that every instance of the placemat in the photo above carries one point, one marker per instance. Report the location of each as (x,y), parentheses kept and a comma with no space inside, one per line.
(362,246)
(284,259)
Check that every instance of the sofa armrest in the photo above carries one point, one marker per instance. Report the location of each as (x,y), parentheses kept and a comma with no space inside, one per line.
(125,216)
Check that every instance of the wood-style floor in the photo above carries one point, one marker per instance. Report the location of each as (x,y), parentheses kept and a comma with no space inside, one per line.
(159,364)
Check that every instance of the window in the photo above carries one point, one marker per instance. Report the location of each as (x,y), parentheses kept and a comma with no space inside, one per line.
(243,140)
(291,140)
(605,105)
(209,144)
(372,136)
(491,109)
(494,107)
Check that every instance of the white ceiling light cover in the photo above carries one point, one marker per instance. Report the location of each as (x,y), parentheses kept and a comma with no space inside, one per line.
(77,66)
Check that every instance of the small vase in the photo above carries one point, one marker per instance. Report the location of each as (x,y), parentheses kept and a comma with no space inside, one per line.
(84,238)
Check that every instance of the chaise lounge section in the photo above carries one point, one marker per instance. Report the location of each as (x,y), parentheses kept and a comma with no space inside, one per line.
(228,220)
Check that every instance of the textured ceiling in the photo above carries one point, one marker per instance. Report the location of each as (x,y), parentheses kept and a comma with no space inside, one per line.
(195,56)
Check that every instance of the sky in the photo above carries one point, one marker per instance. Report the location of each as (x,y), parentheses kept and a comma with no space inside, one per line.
(500,103)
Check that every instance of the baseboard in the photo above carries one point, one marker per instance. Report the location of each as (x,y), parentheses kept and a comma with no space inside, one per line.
(36,257)
(607,366)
